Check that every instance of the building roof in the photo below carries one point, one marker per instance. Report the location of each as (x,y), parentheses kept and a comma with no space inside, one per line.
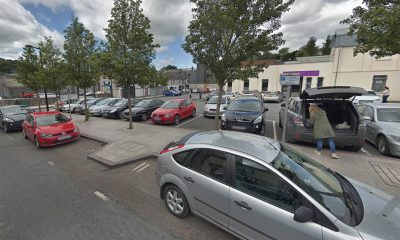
(342,39)
(263,148)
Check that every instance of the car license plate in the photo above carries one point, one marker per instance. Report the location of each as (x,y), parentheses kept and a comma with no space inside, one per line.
(157,119)
(239,127)
(65,137)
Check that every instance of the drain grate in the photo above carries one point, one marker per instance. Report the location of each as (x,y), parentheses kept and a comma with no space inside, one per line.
(389,173)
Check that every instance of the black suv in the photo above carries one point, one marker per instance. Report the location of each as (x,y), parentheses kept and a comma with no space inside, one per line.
(11,117)
(142,110)
(244,114)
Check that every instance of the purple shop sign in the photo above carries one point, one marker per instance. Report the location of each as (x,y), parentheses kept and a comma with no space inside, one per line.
(313,73)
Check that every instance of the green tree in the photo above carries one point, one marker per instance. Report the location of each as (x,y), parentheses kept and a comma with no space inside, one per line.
(27,70)
(81,65)
(169,67)
(226,33)
(8,66)
(326,47)
(51,70)
(309,49)
(131,47)
(376,25)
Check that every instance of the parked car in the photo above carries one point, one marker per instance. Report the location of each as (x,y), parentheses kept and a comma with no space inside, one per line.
(49,128)
(28,94)
(205,90)
(12,116)
(272,96)
(115,110)
(62,103)
(173,111)
(170,93)
(90,102)
(244,114)
(143,110)
(49,95)
(369,97)
(73,105)
(177,92)
(97,109)
(251,93)
(347,123)
(210,109)
(213,93)
(256,188)
(383,126)
(195,90)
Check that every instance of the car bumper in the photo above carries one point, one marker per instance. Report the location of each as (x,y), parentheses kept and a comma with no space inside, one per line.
(163,120)
(271,99)
(14,125)
(96,114)
(242,127)
(53,141)
(209,113)
(394,148)
(110,115)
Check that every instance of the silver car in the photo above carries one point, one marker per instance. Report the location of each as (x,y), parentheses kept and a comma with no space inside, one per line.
(210,109)
(272,97)
(256,188)
(383,126)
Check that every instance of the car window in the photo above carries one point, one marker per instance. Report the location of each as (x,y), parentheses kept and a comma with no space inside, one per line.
(260,182)
(188,102)
(48,120)
(245,106)
(369,112)
(388,114)
(361,109)
(211,163)
(184,158)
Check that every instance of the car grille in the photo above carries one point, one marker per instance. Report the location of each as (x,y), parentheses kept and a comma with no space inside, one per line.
(244,124)
(212,110)
(158,115)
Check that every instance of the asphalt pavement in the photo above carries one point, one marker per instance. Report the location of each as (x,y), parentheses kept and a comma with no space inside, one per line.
(57,193)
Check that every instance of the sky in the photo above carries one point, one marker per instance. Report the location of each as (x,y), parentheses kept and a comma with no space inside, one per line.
(25,22)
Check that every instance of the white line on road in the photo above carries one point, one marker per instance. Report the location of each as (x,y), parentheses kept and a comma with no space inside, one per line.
(365,151)
(139,166)
(143,168)
(273,126)
(51,163)
(102,196)
(188,121)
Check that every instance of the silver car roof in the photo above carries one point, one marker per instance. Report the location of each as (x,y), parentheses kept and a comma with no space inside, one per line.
(383,105)
(263,148)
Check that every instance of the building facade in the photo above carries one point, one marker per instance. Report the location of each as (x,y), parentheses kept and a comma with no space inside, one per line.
(340,68)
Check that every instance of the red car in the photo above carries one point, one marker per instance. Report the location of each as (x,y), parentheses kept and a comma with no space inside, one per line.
(173,111)
(28,94)
(49,128)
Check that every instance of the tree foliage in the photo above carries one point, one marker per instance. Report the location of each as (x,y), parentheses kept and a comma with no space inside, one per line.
(169,67)
(81,65)
(8,66)
(326,47)
(226,33)
(130,46)
(376,25)
(309,49)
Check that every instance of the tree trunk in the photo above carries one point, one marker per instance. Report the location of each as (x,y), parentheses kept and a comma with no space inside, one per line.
(57,99)
(130,108)
(111,89)
(86,108)
(217,122)
(77,92)
(38,100)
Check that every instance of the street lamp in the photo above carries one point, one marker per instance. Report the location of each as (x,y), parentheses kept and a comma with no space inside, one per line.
(41,65)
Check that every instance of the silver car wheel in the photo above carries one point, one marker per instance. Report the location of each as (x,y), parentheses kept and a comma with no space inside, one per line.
(383,145)
(175,202)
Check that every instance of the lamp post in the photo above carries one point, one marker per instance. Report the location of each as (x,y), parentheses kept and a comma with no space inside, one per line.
(41,65)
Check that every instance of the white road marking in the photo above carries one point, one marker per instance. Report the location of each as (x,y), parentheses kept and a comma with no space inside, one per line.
(51,163)
(139,166)
(365,151)
(274,127)
(188,121)
(143,168)
(102,196)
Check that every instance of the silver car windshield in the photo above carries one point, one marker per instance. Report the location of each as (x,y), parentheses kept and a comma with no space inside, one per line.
(214,100)
(14,110)
(318,181)
(388,114)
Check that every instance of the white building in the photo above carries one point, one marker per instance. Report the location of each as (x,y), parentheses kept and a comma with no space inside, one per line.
(340,68)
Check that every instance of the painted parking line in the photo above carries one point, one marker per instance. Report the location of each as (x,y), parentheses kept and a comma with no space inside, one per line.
(101,195)
(143,168)
(188,121)
(139,166)
(365,151)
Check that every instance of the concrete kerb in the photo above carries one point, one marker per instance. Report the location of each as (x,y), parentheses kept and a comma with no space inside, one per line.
(110,164)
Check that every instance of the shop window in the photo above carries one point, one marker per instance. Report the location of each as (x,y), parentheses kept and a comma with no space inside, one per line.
(229,85)
(308,82)
(264,85)
(379,83)
(246,84)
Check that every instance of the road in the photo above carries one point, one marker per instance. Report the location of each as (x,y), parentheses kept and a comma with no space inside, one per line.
(56,193)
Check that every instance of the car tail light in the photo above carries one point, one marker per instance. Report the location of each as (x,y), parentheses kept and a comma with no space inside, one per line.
(298,121)
(172,148)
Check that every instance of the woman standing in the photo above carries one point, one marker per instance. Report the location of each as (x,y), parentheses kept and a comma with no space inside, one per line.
(386,94)
(322,130)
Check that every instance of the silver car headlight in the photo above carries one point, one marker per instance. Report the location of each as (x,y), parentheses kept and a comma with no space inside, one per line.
(396,138)
(223,118)
(258,120)
(6,119)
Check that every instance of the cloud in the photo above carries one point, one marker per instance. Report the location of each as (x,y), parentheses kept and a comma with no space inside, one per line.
(18,27)
(317,18)
(164,62)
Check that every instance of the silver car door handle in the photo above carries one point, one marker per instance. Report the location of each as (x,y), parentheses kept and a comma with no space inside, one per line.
(243,205)
(189,179)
